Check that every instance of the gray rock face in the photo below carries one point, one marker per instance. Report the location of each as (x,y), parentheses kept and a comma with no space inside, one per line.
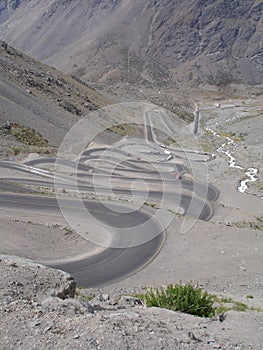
(22,278)
(146,41)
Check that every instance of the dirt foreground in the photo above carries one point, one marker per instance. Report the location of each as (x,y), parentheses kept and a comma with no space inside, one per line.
(37,305)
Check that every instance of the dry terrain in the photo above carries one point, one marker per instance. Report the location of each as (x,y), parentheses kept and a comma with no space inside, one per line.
(223,255)
(39,105)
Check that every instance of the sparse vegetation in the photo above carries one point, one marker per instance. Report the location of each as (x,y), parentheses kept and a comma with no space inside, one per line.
(186,116)
(27,135)
(255,225)
(185,298)
(249,296)
(226,304)
(207,147)
(68,231)
(79,295)
(240,307)
(226,300)
(233,136)
(152,205)
(192,300)
(123,129)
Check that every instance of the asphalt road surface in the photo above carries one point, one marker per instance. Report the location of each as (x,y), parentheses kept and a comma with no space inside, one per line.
(94,170)
(110,265)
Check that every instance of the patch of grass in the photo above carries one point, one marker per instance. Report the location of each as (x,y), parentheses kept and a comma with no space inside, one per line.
(185,298)
(68,231)
(82,297)
(152,205)
(239,307)
(225,134)
(17,150)
(186,116)
(221,299)
(207,146)
(123,129)
(222,308)
(226,304)
(226,300)
(192,300)
(27,135)
(257,309)
(233,136)
(248,224)
(249,296)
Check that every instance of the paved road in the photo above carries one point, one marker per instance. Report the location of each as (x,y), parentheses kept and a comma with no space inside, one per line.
(113,263)
(149,133)
(205,191)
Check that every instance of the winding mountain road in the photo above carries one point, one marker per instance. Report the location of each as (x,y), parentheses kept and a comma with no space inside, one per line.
(134,247)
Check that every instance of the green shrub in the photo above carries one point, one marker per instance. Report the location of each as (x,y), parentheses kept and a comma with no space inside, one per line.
(185,298)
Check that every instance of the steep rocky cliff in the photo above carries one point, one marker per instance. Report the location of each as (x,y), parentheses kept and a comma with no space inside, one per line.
(142,41)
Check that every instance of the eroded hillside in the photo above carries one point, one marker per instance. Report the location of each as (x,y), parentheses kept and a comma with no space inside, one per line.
(145,42)
(40,97)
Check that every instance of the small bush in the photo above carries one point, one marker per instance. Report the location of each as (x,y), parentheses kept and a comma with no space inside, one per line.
(249,296)
(185,298)
(27,135)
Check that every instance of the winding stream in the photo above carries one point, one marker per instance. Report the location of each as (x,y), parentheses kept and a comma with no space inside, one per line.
(251,173)
(252,176)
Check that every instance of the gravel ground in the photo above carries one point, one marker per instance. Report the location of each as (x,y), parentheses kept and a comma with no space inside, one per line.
(33,304)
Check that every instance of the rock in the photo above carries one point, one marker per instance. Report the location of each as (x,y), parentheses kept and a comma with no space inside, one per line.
(68,290)
(104,297)
(36,280)
(67,306)
(7,125)
(217,346)
(131,301)
(70,108)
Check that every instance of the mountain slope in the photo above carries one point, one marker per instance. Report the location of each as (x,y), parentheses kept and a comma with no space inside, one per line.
(143,41)
(7,8)
(40,97)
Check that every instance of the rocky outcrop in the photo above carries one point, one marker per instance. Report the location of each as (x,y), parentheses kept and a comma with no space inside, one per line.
(24,279)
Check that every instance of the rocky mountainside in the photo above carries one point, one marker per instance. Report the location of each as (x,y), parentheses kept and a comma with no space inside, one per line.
(141,42)
(7,8)
(40,97)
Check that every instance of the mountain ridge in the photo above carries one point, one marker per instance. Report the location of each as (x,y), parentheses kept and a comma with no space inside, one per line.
(144,42)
